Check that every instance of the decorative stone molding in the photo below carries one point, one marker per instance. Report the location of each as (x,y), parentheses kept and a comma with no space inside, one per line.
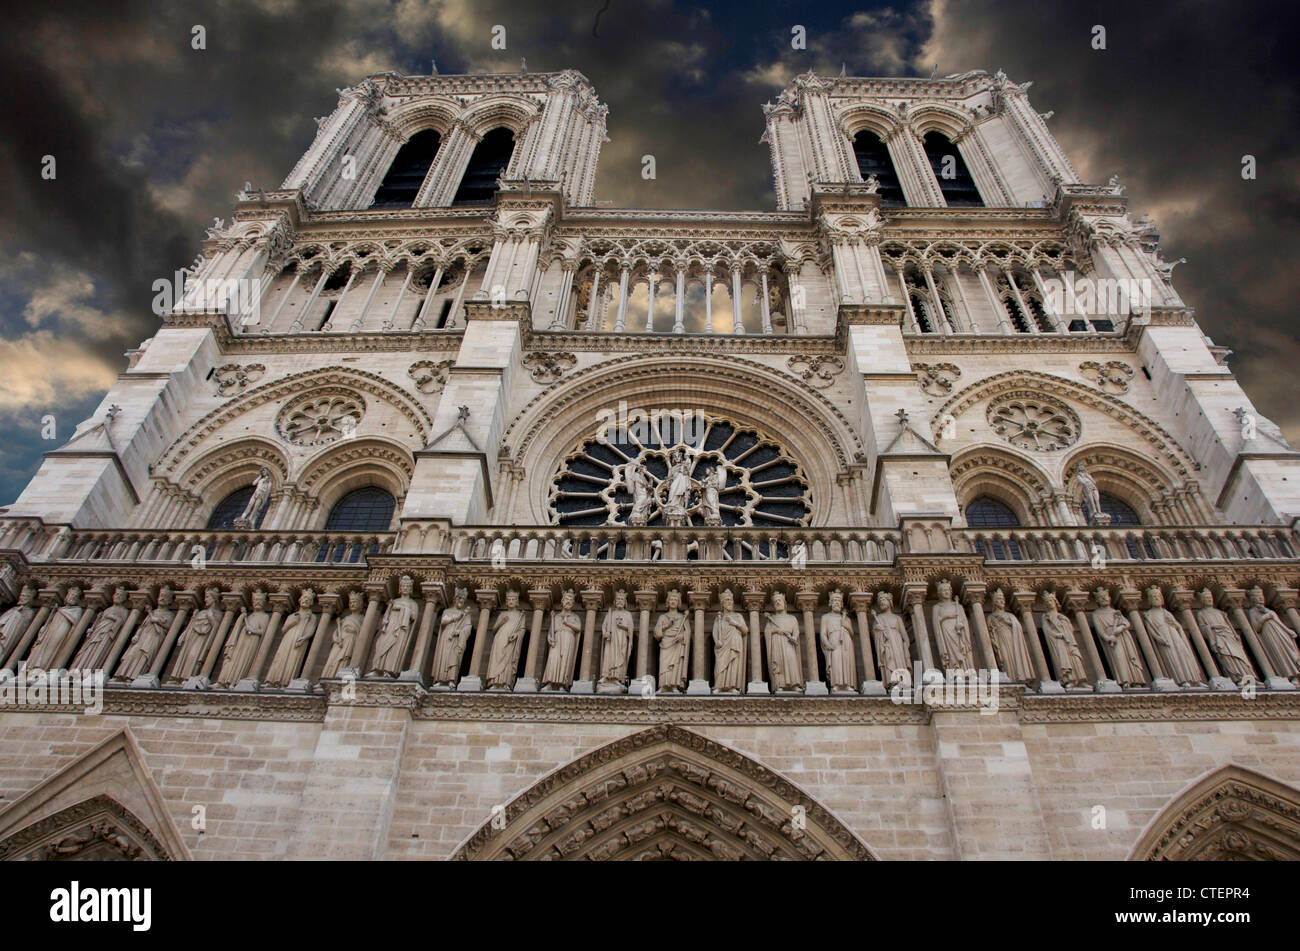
(1113,376)
(550,367)
(232,378)
(936,378)
(99,829)
(430,377)
(819,370)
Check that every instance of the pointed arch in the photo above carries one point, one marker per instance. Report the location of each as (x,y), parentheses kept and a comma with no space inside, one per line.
(103,805)
(1232,813)
(664,793)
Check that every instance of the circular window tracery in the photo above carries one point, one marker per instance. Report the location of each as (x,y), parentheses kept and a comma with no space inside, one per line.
(1035,423)
(320,417)
(677,470)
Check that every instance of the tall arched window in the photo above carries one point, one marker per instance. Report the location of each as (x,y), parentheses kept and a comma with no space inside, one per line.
(918,295)
(406,174)
(228,509)
(489,160)
(985,512)
(362,510)
(950,170)
(873,159)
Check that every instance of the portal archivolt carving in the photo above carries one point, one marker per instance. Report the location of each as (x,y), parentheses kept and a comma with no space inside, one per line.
(664,794)
(97,830)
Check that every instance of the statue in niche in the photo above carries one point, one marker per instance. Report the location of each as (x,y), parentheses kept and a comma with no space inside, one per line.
(782,634)
(710,503)
(1278,640)
(245,641)
(507,637)
(729,630)
(62,621)
(1116,635)
(1171,641)
(395,631)
(1088,486)
(1066,656)
(194,639)
(344,639)
(616,646)
(14,622)
(102,632)
(673,634)
(892,649)
(640,486)
(951,631)
(295,639)
(566,627)
(453,635)
(247,519)
(837,646)
(148,637)
(1008,637)
(1223,639)
(677,507)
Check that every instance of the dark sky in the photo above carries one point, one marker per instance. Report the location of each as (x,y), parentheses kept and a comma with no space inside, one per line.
(152,138)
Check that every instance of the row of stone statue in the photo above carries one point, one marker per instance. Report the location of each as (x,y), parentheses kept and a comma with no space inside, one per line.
(222,642)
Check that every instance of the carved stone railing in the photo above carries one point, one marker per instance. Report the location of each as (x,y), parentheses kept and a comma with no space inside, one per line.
(1097,546)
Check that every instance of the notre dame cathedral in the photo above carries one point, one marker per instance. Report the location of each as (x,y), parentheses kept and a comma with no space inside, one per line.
(452,514)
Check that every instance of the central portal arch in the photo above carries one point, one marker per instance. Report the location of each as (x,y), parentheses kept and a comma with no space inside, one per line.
(665,793)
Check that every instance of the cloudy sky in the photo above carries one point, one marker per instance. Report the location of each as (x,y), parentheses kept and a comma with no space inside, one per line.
(151,138)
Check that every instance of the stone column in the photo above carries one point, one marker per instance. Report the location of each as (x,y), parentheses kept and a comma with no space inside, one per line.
(375,592)
(293,286)
(139,601)
(1024,602)
(813,687)
(279,602)
(48,601)
(645,603)
(738,325)
(595,297)
(699,683)
(359,322)
(391,319)
(764,305)
(1181,600)
(320,643)
(757,685)
(421,318)
(1129,601)
(231,602)
(592,599)
(473,681)
(185,601)
(540,599)
(560,321)
(679,324)
(872,686)
(940,315)
(708,301)
(973,594)
(914,598)
(650,306)
(1233,600)
(1024,308)
(1074,602)
(92,604)
(620,322)
(434,596)
(982,269)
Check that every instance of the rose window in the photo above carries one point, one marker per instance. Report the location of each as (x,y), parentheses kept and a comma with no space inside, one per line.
(320,418)
(678,470)
(1037,424)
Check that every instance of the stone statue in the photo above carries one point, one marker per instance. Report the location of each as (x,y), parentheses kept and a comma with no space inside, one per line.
(873,185)
(344,638)
(148,637)
(673,634)
(677,507)
(245,641)
(615,646)
(951,631)
(507,637)
(837,646)
(710,503)
(56,630)
(640,487)
(395,631)
(247,519)
(194,639)
(1008,637)
(453,634)
(103,630)
(14,622)
(1171,641)
(893,652)
(1090,495)
(566,628)
(1278,640)
(1066,656)
(295,639)
(782,634)
(729,630)
(1223,639)
(1116,635)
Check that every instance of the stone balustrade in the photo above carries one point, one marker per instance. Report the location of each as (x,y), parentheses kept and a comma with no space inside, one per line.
(1130,543)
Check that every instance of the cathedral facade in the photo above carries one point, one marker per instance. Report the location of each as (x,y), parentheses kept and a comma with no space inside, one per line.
(450,514)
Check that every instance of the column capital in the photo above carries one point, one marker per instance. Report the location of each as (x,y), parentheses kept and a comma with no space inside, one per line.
(1284,598)
(329,602)
(539,598)
(592,598)
(646,599)
(699,600)
(1129,599)
(1075,600)
(486,597)
(753,600)
(1024,600)
(806,600)
(973,592)
(1232,598)
(859,600)
(232,600)
(280,601)
(139,600)
(1181,599)
(914,593)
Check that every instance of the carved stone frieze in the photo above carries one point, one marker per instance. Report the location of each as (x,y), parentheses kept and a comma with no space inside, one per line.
(936,378)
(1113,376)
(430,376)
(548,367)
(232,378)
